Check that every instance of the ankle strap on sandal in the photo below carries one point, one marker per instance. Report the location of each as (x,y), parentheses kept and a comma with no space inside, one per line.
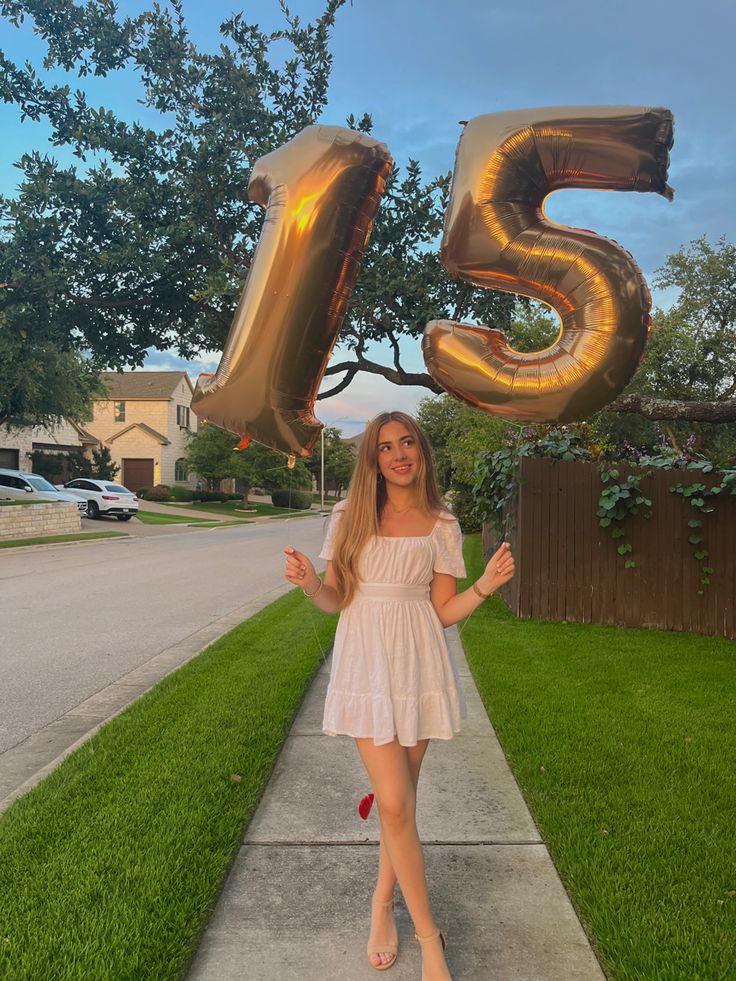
(432,936)
(388,904)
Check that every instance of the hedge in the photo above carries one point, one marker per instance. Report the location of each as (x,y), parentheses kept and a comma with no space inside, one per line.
(297,500)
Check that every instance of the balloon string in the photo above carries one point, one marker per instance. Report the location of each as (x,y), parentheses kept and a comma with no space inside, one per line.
(464,624)
(323,652)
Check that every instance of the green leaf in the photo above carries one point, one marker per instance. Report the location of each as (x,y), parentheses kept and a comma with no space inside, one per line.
(629,564)
(695,539)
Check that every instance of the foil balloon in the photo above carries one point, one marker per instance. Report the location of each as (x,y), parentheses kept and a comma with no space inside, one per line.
(321,192)
(497,236)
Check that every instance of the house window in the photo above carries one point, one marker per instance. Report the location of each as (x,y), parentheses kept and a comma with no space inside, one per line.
(182,416)
(119,411)
(180,470)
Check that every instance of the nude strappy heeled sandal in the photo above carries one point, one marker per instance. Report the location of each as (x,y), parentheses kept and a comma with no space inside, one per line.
(432,936)
(382,948)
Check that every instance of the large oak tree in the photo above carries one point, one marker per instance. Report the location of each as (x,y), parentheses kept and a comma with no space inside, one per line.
(146,241)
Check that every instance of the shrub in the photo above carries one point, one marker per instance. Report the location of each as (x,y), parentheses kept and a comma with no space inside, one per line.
(210,496)
(297,500)
(103,466)
(182,494)
(159,493)
(465,510)
(142,492)
(236,497)
(52,466)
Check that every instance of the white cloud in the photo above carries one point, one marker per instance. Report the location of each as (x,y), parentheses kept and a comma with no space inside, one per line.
(364,398)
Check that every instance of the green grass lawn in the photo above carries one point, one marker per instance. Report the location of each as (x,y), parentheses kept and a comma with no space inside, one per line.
(623,742)
(110,867)
(231,508)
(154,518)
(61,539)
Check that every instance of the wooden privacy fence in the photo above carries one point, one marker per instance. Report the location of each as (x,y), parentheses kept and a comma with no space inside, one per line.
(568,567)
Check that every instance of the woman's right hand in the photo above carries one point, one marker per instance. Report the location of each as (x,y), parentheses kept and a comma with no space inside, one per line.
(300,571)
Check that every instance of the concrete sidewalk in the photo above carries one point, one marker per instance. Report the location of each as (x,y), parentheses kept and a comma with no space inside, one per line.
(296,905)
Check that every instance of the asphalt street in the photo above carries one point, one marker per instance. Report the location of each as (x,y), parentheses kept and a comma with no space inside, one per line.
(75,618)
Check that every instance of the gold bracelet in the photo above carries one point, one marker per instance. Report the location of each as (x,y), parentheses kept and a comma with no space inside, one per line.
(312,595)
(478,592)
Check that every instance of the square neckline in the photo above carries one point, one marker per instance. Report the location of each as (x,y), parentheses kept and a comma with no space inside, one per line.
(408,537)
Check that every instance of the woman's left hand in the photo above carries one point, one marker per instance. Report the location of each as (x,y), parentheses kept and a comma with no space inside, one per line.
(500,569)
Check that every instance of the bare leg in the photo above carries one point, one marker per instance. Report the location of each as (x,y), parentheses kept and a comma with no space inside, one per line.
(383,926)
(386,875)
(390,775)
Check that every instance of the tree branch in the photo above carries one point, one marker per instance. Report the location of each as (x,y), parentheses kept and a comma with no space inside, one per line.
(395,345)
(111,304)
(225,317)
(341,385)
(652,408)
(643,405)
(396,377)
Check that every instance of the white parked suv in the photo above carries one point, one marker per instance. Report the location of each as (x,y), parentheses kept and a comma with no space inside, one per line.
(20,485)
(104,497)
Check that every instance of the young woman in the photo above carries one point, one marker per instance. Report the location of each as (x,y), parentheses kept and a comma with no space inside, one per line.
(394,555)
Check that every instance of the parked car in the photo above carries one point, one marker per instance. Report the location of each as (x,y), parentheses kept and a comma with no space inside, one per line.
(20,485)
(104,497)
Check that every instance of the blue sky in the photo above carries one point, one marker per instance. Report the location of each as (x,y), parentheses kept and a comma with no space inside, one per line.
(419,67)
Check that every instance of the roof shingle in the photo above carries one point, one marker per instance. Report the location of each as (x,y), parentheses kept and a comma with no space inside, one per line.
(142,384)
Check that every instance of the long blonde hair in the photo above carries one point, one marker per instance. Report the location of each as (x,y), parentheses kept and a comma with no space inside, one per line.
(367,496)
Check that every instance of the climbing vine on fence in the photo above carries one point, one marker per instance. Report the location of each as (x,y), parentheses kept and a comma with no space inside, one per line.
(617,502)
(496,475)
(701,498)
(496,480)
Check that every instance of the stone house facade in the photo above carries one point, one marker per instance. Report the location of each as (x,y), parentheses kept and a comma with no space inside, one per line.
(18,442)
(146,421)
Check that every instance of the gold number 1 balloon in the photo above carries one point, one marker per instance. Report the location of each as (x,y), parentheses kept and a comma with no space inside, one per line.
(321,191)
(496,236)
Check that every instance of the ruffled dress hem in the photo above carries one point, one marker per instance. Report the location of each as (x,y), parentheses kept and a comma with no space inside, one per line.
(430,715)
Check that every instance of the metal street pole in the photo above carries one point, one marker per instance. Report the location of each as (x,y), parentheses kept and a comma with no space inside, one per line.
(322,475)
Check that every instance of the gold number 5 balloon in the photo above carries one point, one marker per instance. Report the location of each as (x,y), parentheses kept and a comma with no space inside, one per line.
(496,236)
(321,191)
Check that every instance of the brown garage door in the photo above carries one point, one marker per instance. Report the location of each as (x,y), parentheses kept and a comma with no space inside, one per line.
(137,474)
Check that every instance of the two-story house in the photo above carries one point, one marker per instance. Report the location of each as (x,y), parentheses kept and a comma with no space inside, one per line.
(145,421)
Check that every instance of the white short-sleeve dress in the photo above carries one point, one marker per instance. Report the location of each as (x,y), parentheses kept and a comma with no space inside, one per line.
(392,673)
